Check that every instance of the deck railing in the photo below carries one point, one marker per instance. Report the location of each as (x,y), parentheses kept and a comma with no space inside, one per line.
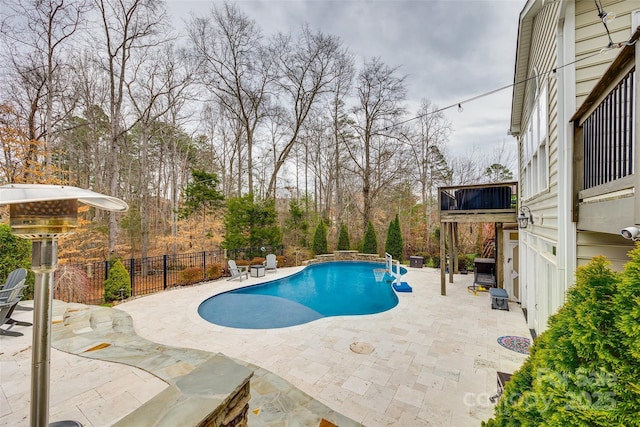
(479,197)
(608,135)
(604,148)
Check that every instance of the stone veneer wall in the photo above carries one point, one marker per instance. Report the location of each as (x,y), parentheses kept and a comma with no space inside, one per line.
(345,256)
(233,413)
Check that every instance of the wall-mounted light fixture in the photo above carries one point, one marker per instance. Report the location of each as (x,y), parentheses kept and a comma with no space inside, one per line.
(525,219)
(42,213)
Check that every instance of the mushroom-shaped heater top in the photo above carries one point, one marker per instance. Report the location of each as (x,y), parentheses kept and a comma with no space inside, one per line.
(47,211)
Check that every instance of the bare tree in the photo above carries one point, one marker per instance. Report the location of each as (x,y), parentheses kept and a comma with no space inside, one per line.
(426,144)
(86,133)
(341,132)
(235,68)
(378,153)
(307,68)
(130,27)
(160,85)
(471,168)
(36,35)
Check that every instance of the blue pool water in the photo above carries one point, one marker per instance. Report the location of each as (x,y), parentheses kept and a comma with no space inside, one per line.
(320,290)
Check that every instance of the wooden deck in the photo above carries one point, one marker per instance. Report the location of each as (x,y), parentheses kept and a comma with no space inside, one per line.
(483,203)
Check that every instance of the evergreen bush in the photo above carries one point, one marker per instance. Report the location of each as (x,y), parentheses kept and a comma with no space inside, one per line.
(343,238)
(584,369)
(434,261)
(370,244)
(627,310)
(15,252)
(251,224)
(320,240)
(393,245)
(118,279)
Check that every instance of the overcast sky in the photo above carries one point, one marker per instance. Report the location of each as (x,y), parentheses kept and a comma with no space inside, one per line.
(450,50)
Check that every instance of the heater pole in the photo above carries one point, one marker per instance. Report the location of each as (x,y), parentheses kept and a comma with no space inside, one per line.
(44,262)
(42,213)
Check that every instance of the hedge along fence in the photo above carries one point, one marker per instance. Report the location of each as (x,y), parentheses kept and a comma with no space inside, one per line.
(585,368)
(151,274)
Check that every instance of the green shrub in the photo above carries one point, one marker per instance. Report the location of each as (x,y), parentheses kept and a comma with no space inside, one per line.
(320,240)
(370,243)
(463,263)
(393,245)
(15,252)
(118,279)
(343,238)
(434,261)
(584,369)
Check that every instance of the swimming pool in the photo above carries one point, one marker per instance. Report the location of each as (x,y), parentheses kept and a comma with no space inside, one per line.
(320,290)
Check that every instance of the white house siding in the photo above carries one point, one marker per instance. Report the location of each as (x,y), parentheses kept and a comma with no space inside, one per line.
(543,281)
(591,37)
(538,242)
(613,246)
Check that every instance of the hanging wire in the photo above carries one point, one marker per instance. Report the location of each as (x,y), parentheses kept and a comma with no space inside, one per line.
(603,17)
(491,92)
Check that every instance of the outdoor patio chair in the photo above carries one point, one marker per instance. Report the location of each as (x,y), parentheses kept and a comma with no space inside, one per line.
(17,275)
(271,263)
(236,271)
(7,294)
(9,298)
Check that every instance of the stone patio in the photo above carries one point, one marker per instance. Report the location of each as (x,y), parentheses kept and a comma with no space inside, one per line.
(431,360)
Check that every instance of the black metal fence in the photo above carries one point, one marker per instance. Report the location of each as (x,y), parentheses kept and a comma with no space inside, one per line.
(154,274)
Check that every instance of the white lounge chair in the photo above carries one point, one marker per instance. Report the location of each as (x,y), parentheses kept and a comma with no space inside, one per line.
(236,271)
(271,264)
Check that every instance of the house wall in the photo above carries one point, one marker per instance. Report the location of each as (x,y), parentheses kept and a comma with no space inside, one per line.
(590,38)
(539,284)
(567,36)
(613,246)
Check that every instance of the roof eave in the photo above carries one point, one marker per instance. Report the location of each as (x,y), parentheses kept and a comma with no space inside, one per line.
(523,47)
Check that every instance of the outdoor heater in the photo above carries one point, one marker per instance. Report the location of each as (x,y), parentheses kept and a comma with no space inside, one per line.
(42,213)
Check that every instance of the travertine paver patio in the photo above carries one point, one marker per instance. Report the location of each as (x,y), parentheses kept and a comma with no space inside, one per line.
(434,360)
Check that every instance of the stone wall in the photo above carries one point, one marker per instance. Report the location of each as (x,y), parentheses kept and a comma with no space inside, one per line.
(345,256)
(233,413)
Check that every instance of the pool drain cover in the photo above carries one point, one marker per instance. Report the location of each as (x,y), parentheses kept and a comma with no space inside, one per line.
(361,347)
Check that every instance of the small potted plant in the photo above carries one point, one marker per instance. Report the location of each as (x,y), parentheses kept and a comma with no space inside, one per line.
(463,264)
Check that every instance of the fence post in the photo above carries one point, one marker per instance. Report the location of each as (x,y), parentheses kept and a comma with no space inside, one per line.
(106,270)
(132,273)
(204,265)
(164,270)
